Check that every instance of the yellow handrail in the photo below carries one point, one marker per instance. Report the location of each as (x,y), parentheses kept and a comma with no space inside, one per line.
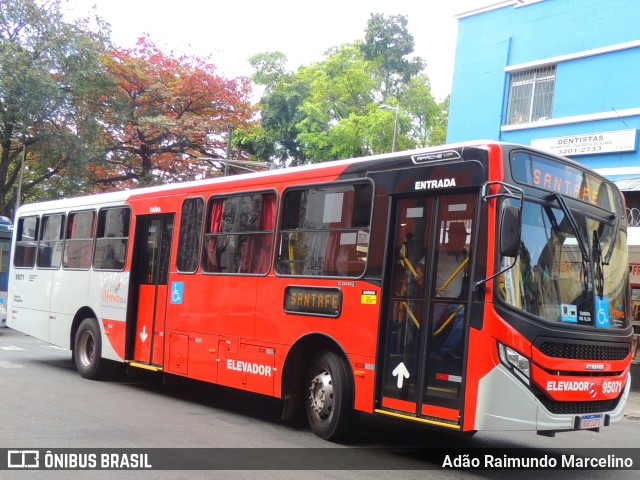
(453,275)
(448,320)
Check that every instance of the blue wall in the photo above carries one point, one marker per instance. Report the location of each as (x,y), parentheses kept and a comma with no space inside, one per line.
(490,41)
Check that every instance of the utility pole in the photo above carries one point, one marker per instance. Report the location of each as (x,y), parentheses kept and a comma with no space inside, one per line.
(226,164)
(394,146)
(22,162)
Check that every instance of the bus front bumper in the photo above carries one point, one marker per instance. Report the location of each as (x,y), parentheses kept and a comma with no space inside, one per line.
(505,403)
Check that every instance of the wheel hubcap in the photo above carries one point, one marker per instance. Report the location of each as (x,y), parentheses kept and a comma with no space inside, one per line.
(321,395)
(87,347)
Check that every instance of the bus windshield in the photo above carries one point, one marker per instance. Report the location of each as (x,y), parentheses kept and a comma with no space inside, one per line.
(553,279)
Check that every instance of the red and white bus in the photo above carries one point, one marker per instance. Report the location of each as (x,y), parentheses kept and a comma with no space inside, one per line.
(330,286)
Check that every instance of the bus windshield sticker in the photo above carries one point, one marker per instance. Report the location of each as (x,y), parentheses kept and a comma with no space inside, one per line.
(348,238)
(414,212)
(569,313)
(369,297)
(602,312)
(333,207)
(326,302)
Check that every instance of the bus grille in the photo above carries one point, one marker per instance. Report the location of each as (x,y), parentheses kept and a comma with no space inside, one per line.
(579,408)
(582,351)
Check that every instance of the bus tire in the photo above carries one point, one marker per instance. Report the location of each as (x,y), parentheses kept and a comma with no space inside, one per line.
(88,350)
(329,396)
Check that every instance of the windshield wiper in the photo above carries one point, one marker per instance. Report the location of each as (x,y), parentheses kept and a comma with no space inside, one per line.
(597,264)
(616,225)
(582,243)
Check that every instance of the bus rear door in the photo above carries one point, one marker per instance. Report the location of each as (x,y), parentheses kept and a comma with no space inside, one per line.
(151,272)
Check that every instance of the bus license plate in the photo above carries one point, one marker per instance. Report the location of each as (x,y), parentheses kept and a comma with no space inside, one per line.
(590,421)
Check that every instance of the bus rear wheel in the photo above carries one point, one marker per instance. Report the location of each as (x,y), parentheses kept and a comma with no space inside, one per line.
(88,350)
(329,397)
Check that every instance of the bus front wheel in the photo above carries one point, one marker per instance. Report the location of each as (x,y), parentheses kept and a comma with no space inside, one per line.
(88,349)
(329,404)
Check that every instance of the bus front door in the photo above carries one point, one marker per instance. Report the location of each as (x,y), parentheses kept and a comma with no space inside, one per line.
(426,322)
(153,247)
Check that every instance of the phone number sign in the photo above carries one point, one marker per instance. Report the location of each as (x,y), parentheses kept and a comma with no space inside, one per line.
(590,143)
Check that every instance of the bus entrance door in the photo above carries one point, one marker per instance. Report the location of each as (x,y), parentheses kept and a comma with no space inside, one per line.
(153,247)
(426,322)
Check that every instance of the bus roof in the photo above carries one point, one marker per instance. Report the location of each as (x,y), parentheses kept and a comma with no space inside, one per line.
(124,195)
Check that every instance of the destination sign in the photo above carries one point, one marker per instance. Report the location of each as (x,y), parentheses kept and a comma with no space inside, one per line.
(313,301)
(567,180)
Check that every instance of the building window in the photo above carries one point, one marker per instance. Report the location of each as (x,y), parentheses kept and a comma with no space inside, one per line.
(531,95)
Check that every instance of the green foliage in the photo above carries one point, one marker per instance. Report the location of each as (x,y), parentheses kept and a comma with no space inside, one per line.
(332,109)
(387,43)
(439,130)
(87,113)
(49,75)
(270,68)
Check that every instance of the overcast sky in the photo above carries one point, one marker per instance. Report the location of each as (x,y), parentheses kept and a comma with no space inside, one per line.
(233,30)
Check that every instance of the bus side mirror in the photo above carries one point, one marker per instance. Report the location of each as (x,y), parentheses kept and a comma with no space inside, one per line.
(510,231)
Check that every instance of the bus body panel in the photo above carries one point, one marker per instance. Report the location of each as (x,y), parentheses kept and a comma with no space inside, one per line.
(69,293)
(28,306)
(109,300)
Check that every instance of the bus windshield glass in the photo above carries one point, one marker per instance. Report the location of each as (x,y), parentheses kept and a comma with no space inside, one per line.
(553,280)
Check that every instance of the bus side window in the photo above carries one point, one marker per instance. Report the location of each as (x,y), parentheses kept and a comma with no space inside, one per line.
(190,235)
(26,242)
(325,231)
(112,239)
(50,244)
(239,234)
(78,243)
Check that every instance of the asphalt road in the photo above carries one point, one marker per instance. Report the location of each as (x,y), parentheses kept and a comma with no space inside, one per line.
(47,405)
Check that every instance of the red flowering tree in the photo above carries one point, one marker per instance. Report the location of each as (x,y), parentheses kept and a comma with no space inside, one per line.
(163,114)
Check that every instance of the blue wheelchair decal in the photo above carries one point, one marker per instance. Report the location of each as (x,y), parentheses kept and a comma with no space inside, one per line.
(177,289)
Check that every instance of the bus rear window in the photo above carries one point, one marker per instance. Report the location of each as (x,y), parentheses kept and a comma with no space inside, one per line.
(325,231)
(26,242)
(112,239)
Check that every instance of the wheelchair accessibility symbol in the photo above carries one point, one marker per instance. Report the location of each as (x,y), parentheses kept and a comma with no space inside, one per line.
(602,312)
(176,292)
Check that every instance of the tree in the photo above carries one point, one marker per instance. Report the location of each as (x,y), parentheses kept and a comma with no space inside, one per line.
(49,70)
(439,130)
(335,113)
(423,108)
(276,138)
(334,108)
(387,43)
(164,114)
(270,68)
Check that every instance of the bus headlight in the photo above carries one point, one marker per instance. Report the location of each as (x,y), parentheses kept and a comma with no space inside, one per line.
(515,362)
